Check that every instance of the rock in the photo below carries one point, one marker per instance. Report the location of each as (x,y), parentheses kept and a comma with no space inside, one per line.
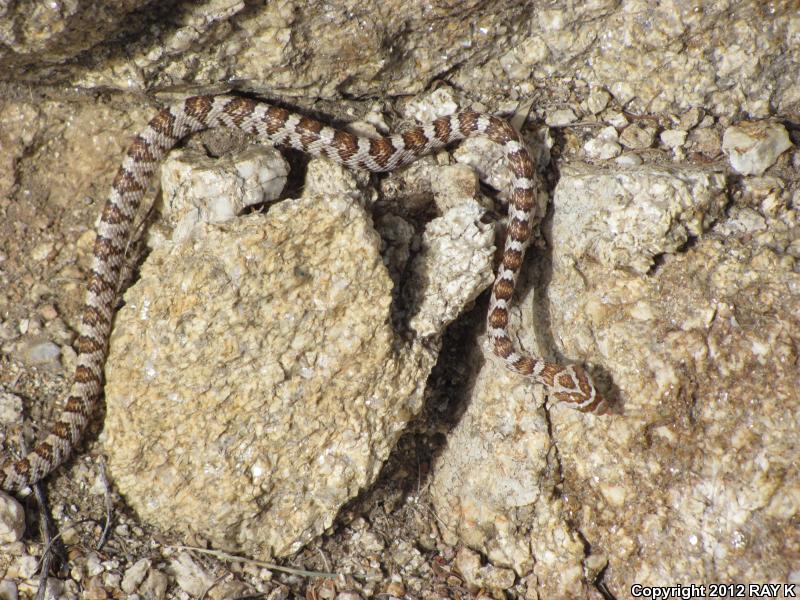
(488,576)
(604,145)
(754,146)
(273,333)
(493,487)
(134,575)
(629,159)
(703,338)
(12,519)
(198,189)
(36,351)
(453,185)
(690,118)
(673,138)
(637,136)
(453,267)
(705,141)
(427,107)
(560,117)
(8,590)
(690,348)
(597,101)
(10,409)
(190,576)
(155,586)
(626,219)
(602,149)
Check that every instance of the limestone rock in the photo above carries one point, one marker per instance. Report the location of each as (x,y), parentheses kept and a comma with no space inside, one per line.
(605,145)
(200,189)
(254,382)
(12,519)
(754,146)
(493,486)
(453,267)
(693,480)
(626,218)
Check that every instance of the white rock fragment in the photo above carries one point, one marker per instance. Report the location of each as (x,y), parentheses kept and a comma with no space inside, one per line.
(190,576)
(637,136)
(24,567)
(324,177)
(38,352)
(452,269)
(12,519)
(488,576)
(742,220)
(199,189)
(42,251)
(155,585)
(10,409)
(640,213)
(629,159)
(134,575)
(597,101)
(754,146)
(93,565)
(616,119)
(601,149)
(427,107)
(560,117)
(673,138)
(690,118)
(604,145)
(8,590)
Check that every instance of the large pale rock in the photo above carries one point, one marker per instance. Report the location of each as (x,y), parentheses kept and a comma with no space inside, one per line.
(321,49)
(626,218)
(692,481)
(255,382)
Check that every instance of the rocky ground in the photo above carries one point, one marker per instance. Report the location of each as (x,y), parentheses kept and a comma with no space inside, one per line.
(299,400)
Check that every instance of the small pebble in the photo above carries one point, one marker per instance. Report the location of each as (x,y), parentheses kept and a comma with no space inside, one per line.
(690,118)
(10,409)
(37,352)
(673,138)
(597,101)
(560,117)
(12,519)
(48,312)
(8,590)
(753,146)
(134,575)
(637,136)
(602,149)
(628,160)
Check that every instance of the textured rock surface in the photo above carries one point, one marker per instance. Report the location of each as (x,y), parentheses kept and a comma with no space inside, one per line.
(454,266)
(200,189)
(693,480)
(272,333)
(754,146)
(634,49)
(627,217)
(12,519)
(606,76)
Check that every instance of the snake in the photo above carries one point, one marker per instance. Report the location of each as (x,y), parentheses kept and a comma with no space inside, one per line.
(570,384)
